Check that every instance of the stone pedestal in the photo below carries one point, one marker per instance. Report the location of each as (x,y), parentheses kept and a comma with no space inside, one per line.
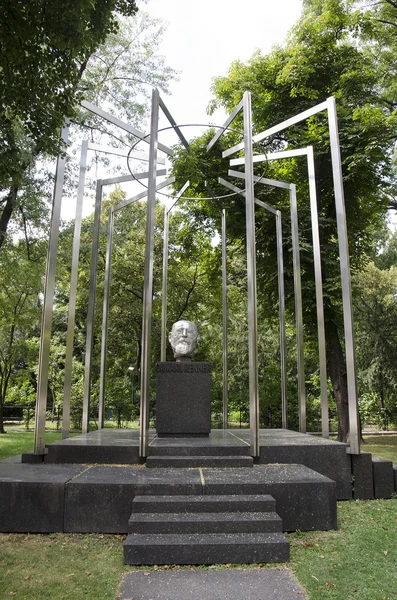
(183,405)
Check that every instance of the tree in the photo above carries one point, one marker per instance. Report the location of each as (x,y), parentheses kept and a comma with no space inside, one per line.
(321,58)
(19,311)
(44,49)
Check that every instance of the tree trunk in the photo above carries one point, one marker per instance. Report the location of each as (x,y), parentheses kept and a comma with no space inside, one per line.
(337,372)
(10,203)
(2,430)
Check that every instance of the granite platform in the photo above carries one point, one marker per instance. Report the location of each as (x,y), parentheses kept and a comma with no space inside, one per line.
(278,446)
(97,499)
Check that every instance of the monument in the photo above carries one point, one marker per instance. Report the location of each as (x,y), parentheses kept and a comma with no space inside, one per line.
(183,400)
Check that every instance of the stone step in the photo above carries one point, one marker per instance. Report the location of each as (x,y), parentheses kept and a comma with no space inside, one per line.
(185,462)
(196,447)
(229,522)
(203,504)
(205,549)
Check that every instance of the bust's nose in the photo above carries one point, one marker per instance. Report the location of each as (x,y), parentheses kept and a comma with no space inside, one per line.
(184,332)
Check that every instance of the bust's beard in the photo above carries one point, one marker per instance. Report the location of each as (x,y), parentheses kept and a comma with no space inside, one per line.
(183,348)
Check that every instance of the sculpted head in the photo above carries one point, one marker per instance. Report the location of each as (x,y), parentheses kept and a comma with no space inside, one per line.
(183,338)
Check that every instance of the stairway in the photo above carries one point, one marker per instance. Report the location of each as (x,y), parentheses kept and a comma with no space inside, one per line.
(198,529)
(197,452)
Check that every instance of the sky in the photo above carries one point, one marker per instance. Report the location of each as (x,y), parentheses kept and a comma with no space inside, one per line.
(202,39)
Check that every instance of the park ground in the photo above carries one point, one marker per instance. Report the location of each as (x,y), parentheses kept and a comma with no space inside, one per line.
(358,561)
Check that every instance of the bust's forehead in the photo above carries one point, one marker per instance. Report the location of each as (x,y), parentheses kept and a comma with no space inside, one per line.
(186,323)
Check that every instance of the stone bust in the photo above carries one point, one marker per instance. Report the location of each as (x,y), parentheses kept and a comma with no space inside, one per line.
(183,338)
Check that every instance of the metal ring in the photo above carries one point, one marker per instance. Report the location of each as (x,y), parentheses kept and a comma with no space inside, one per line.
(173,196)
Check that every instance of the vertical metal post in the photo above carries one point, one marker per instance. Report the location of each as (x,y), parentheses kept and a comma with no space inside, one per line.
(354,423)
(224,322)
(67,389)
(281,300)
(91,308)
(251,277)
(148,282)
(48,303)
(298,311)
(319,293)
(164,292)
(105,319)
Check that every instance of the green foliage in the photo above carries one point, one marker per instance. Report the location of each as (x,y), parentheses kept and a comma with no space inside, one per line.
(44,49)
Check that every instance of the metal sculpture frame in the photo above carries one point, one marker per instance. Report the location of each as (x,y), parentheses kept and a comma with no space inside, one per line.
(154,145)
(281,296)
(309,153)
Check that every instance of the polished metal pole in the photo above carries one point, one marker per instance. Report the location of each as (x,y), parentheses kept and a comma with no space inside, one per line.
(48,303)
(148,281)
(91,308)
(354,419)
(105,320)
(164,291)
(281,300)
(224,322)
(73,293)
(251,279)
(298,311)
(319,293)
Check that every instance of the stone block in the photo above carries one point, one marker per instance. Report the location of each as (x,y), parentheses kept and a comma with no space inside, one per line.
(32,497)
(205,549)
(189,462)
(383,477)
(203,504)
(324,456)
(362,476)
(183,398)
(100,499)
(228,522)
(395,477)
(305,499)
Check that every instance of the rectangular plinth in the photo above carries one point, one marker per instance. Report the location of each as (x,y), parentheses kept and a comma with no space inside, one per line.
(183,400)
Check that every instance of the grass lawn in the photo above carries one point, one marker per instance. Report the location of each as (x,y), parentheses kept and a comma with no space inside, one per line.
(17,441)
(357,562)
(382,446)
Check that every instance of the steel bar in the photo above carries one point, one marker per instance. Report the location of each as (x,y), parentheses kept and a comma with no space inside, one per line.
(354,423)
(319,293)
(165,275)
(164,290)
(148,281)
(298,310)
(280,127)
(125,126)
(73,292)
(308,152)
(120,152)
(271,156)
(226,124)
(281,308)
(174,125)
(224,322)
(263,180)
(105,320)
(124,178)
(48,303)
(280,268)
(234,188)
(179,195)
(91,309)
(143,194)
(251,279)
